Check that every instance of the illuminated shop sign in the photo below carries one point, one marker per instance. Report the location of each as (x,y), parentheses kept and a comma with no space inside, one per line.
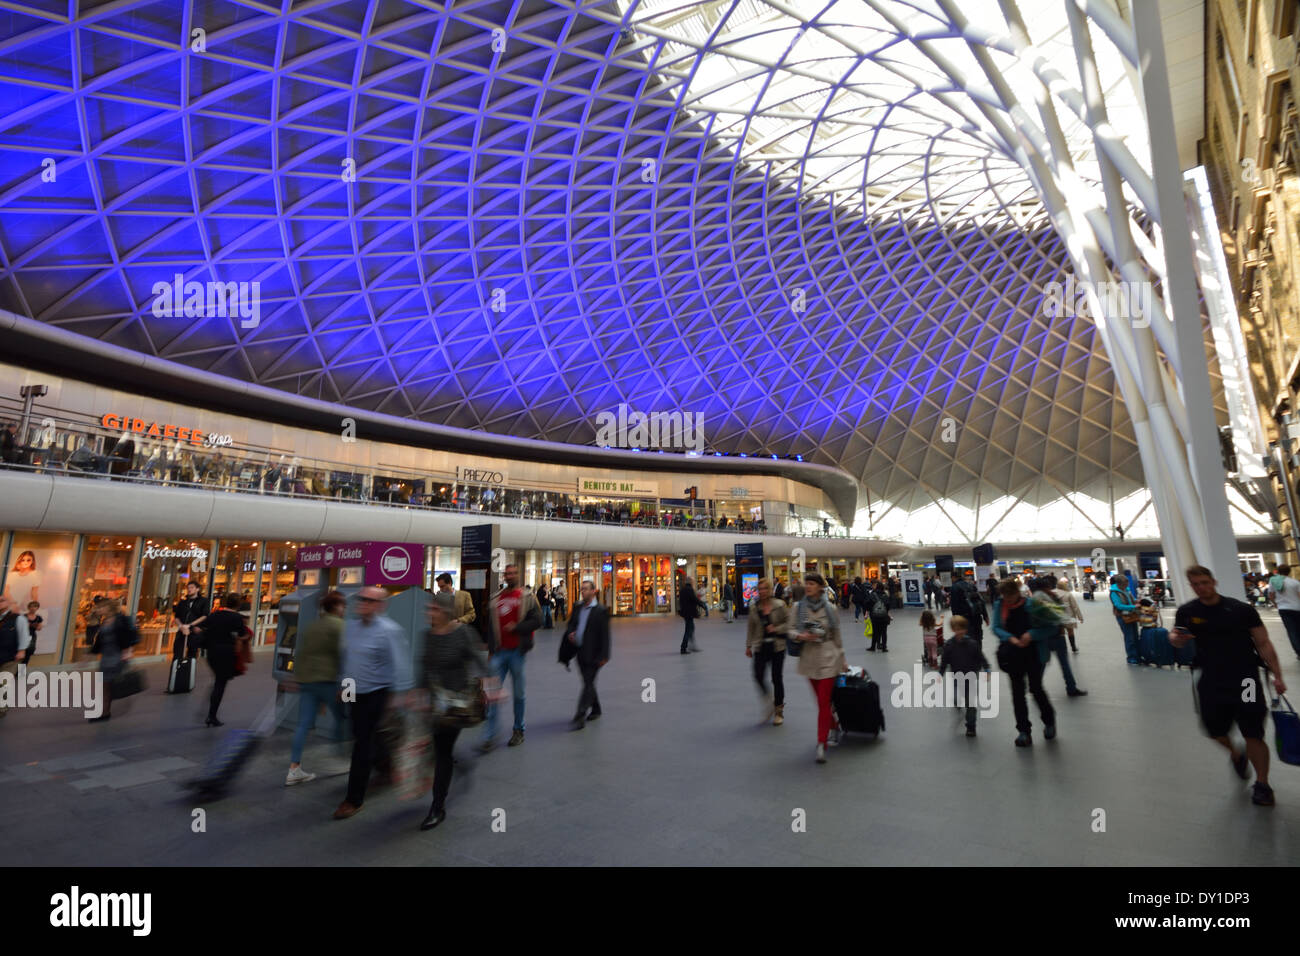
(164,431)
(613,485)
(480,476)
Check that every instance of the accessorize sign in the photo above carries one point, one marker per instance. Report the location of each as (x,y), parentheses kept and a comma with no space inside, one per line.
(613,485)
(139,426)
(195,552)
(385,562)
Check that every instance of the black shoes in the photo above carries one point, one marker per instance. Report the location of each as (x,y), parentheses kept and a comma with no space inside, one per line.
(213,722)
(1024,740)
(685,651)
(100,718)
(1049,732)
(1261,795)
(1241,764)
(516,739)
(576,724)
(1076,692)
(970,731)
(433,819)
(593,716)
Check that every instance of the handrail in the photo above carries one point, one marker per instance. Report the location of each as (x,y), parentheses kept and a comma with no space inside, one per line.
(82,448)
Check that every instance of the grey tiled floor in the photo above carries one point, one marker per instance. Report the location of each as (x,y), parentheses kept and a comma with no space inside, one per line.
(691,779)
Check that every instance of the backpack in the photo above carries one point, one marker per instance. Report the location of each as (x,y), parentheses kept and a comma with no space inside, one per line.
(879,610)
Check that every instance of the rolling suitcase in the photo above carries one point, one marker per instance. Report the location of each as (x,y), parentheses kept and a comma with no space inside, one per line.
(1155,647)
(180,680)
(856,700)
(224,764)
(232,753)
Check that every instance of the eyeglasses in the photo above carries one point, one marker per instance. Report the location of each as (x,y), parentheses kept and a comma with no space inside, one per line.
(369,600)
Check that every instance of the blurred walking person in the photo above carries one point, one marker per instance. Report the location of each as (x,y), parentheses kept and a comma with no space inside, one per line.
(114,641)
(688,607)
(454,660)
(316,666)
(766,628)
(1023,654)
(373,658)
(221,632)
(1065,594)
(516,615)
(588,629)
(815,623)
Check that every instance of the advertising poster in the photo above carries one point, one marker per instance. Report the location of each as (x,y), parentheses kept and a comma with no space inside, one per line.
(749,587)
(40,569)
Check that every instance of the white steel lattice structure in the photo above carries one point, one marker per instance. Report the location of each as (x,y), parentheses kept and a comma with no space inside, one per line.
(828,226)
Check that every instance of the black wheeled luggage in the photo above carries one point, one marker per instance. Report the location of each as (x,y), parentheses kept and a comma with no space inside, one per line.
(180,680)
(856,701)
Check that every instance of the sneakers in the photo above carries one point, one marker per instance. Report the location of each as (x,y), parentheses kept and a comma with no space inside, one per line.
(1024,740)
(298,775)
(833,739)
(778,718)
(1241,764)
(821,753)
(516,739)
(1261,795)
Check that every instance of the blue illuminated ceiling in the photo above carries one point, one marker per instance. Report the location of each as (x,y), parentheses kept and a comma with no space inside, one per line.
(533,236)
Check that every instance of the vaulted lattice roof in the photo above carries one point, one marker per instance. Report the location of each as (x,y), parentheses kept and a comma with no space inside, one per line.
(558,208)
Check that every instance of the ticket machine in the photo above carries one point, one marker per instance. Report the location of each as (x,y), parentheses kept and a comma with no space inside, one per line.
(397,568)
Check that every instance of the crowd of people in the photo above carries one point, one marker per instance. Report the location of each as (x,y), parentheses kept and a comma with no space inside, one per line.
(358,666)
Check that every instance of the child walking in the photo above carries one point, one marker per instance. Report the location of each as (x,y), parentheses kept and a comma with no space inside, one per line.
(931,629)
(962,655)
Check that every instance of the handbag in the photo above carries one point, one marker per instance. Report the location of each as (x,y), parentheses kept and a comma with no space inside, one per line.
(1286,729)
(1130,617)
(1007,659)
(128,682)
(459,708)
(243,651)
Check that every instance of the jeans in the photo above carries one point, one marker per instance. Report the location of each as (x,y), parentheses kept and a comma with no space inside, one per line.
(589,700)
(731,610)
(366,714)
(444,742)
(767,653)
(825,716)
(310,698)
(547,620)
(879,633)
(1058,647)
(1132,646)
(1029,666)
(507,662)
(688,635)
(1291,621)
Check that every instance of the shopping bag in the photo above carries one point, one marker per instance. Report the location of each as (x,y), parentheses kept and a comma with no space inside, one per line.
(413,757)
(1286,727)
(866,627)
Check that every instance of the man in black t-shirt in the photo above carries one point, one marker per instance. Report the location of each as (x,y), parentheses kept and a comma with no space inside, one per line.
(190,613)
(1230,643)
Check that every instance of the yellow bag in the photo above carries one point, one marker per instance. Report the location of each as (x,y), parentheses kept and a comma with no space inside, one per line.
(866,627)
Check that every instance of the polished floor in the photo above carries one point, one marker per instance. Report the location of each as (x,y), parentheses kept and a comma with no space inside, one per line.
(691,778)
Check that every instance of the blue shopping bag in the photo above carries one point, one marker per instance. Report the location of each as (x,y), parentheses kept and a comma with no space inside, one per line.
(1286,727)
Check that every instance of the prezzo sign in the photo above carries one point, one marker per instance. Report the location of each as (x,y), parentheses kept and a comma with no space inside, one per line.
(164,431)
(480,476)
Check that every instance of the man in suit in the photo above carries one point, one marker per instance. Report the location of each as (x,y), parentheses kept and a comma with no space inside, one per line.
(688,604)
(588,631)
(464,604)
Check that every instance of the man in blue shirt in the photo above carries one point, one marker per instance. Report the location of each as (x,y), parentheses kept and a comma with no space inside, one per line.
(373,664)
(588,628)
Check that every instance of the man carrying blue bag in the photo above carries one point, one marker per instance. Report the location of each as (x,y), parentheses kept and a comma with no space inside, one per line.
(1231,645)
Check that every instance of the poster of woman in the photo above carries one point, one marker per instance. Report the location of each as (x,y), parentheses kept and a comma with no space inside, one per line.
(40,569)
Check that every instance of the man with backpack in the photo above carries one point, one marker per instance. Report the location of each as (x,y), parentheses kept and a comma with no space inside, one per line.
(1231,646)
(965,601)
(880,618)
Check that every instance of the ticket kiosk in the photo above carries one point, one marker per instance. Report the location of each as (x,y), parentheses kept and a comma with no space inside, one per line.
(397,568)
